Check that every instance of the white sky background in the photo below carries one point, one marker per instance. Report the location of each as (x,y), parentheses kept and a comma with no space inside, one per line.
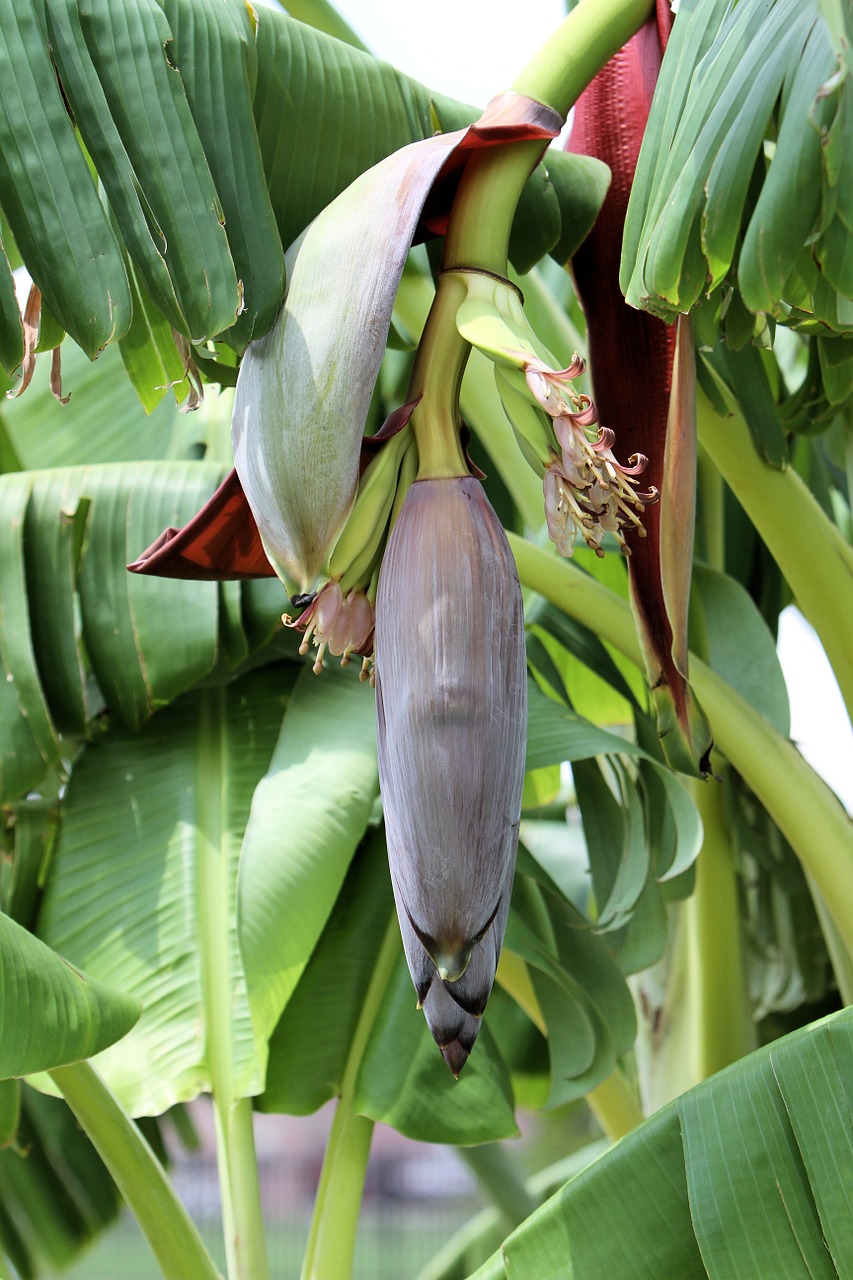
(468,49)
(471,50)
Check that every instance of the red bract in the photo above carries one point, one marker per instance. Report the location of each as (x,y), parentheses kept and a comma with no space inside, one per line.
(632,358)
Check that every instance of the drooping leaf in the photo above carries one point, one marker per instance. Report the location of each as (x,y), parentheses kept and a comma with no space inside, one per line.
(50,1013)
(11,330)
(30,831)
(585,1004)
(642,829)
(746,376)
(309,812)
(55,1193)
(48,196)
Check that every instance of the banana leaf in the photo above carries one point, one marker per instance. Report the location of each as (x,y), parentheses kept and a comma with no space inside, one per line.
(747,1174)
(744,177)
(216,133)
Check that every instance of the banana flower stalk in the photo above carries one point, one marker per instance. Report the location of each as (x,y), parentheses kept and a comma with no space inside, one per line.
(644,391)
(451,705)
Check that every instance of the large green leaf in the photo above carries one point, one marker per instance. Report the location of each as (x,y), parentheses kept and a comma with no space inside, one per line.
(309,813)
(641,826)
(749,1174)
(739,646)
(142,886)
(51,1014)
(585,1004)
(102,422)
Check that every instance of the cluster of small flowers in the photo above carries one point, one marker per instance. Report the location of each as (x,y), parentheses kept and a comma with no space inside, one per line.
(342,624)
(586,490)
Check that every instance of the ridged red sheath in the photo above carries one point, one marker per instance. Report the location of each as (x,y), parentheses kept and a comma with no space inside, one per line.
(632,353)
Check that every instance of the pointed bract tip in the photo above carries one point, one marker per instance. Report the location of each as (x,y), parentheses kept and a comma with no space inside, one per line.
(452,1028)
(455,1055)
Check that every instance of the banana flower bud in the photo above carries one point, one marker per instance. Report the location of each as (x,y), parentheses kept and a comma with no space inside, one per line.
(451,721)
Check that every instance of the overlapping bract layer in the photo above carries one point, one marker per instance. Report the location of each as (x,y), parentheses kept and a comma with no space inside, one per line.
(452,713)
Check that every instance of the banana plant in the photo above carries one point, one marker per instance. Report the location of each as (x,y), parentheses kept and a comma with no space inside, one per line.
(198,829)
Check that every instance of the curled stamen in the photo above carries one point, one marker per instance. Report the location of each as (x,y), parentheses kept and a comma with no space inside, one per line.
(549,387)
(586,490)
(341,625)
(605,440)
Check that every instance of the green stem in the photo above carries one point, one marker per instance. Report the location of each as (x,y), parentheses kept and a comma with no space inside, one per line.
(497,1175)
(478,231)
(614,1105)
(801,804)
(806,545)
(137,1173)
(236,1151)
(242,1215)
(579,48)
(480,404)
(331,1242)
(717,1006)
(478,234)
(437,377)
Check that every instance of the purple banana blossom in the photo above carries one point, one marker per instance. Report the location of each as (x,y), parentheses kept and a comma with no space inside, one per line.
(451,698)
